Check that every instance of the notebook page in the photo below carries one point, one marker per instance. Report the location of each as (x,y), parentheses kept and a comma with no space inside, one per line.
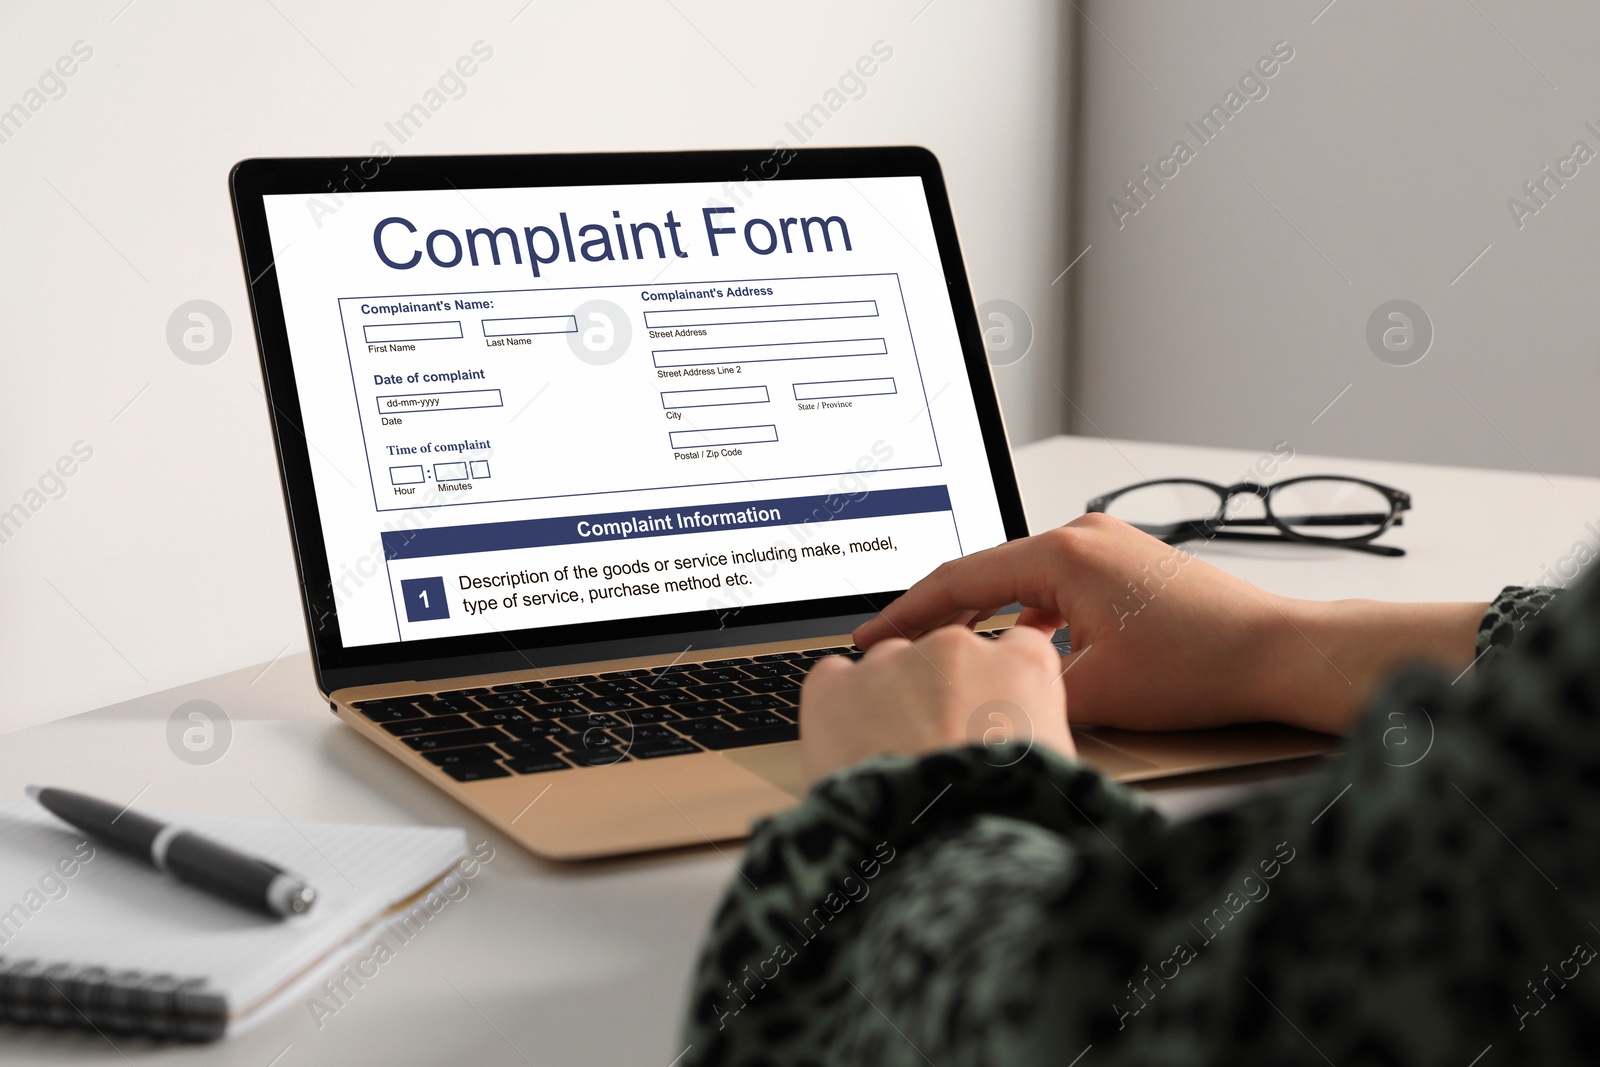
(64,900)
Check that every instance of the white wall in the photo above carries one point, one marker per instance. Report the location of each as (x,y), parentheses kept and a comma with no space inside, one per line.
(164,556)
(1232,309)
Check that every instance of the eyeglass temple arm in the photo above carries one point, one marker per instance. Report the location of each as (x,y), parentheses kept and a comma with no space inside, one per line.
(1234,535)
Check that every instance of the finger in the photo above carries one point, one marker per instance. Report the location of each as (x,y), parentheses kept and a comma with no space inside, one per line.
(1015,571)
(985,615)
(968,620)
(881,627)
(964,619)
(1035,644)
(1029,635)
(1041,619)
(883,649)
(829,665)
(823,673)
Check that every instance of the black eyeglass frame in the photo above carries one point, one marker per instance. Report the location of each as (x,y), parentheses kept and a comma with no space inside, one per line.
(1213,528)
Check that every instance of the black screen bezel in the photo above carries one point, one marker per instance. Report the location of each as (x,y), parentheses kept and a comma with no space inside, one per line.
(253,179)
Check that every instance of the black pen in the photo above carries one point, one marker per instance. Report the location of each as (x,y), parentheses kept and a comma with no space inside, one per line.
(201,862)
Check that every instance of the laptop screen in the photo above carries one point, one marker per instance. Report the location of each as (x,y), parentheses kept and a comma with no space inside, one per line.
(539,407)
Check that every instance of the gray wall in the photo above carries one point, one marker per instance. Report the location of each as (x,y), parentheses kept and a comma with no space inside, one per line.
(1233,307)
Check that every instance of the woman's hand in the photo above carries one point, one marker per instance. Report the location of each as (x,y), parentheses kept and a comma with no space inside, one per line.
(949,687)
(1162,640)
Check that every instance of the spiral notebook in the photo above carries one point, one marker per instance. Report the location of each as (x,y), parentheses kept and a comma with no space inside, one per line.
(90,938)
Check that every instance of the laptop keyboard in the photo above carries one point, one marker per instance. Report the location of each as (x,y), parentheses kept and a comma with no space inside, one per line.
(592,720)
(596,719)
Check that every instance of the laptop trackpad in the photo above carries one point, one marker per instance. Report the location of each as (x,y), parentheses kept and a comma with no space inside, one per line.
(1107,751)
(1106,758)
(778,764)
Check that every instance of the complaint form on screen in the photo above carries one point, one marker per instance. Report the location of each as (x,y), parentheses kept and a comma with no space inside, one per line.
(541,406)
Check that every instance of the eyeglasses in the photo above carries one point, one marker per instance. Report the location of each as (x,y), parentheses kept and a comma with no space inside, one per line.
(1321,509)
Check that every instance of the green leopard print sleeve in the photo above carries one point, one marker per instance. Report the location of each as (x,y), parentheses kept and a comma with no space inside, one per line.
(785,947)
(1509,615)
(1427,898)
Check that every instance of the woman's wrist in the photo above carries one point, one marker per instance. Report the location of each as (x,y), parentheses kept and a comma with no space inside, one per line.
(1321,661)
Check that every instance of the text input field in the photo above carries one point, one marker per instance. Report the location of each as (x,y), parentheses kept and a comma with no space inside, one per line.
(732,435)
(411,331)
(734,316)
(530,326)
(448,401)
(707,398)
(695,357)
(851,387)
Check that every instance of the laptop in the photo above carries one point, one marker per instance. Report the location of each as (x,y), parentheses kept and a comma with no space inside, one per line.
(587,458)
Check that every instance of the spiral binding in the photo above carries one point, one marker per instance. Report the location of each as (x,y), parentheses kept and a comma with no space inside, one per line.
(126,1002)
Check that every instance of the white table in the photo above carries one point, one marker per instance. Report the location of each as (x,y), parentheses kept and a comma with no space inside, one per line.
(587,965)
